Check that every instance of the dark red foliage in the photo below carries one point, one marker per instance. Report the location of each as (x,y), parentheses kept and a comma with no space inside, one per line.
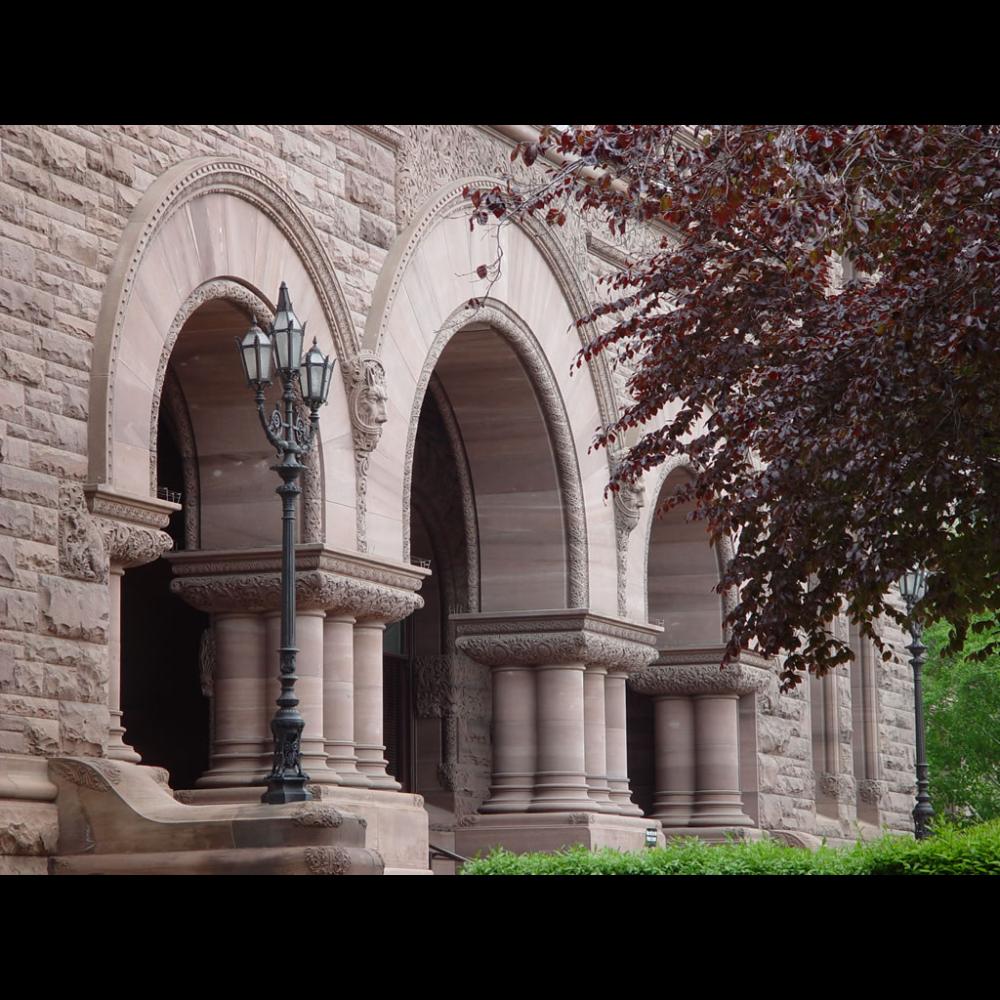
(844,430)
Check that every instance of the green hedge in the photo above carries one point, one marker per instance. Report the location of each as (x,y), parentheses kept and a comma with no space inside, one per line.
(973,851)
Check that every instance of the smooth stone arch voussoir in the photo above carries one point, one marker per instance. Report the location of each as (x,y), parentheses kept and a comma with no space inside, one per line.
(206,228)
(426,278)
(529,353)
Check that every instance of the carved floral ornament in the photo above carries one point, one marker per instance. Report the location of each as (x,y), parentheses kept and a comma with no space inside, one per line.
(699,678)
(315,589)
(566,641)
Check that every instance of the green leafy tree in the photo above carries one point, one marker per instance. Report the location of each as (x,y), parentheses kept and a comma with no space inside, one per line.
(962,705)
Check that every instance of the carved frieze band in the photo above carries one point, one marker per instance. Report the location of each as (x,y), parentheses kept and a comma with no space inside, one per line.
(98,775)
(315,589)
(699,678)
(571,639)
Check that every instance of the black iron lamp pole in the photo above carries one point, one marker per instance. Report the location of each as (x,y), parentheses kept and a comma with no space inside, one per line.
(292,438)
(913,586)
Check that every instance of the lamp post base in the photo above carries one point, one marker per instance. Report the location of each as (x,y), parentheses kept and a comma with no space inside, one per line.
(282,790)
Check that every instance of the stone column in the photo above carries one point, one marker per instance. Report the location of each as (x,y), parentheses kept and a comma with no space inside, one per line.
(515,741)
(118,749)
(561,777)
(368,719)
(674,759)
(240,703)
(697,736)
(717,799)
(617,744)
(595,730)
(338,698)
(128,544)
(309,691)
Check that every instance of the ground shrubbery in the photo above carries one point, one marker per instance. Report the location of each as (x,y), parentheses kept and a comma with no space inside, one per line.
(973,851)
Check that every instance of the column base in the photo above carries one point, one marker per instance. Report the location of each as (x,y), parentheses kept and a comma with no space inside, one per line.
(552,832)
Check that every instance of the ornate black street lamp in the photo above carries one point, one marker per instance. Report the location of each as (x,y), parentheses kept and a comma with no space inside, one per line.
(913,586)
(292,438)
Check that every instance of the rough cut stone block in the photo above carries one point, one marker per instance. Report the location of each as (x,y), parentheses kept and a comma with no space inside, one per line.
(78,246)
(18,609)
(21,367)
(62,156)
(73,609)
(30,486)
(17,261)
(82,727)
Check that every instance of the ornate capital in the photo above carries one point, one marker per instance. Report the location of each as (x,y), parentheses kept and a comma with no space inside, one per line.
(555,637)
(132,545)
(870,791)
(693,672)
(250,580)
(838,787)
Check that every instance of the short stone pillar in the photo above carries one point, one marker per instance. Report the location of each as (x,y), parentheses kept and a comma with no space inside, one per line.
(515,740)
(616,735)
(696,734)
(339,624)
(368,705)
(130,529)
(338,698)
(558,728)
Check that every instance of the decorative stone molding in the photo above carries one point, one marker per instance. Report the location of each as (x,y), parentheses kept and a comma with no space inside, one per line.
(98,775)
(250,580)
(513,329)
(322,817)
(628,502)
(174,188)
(554,637)
(838,787)
(388,135)
(132,545)
(366,400)
(82,554)
(693,672)
(312,496)
(870,791)
(328,860)
(115,506)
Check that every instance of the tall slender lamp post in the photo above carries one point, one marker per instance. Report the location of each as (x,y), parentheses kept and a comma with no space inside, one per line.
(913,586)
(292,438)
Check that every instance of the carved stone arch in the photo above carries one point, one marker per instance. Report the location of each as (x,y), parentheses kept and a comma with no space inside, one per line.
(724,550)
(258,310)
(529,353)
(446,202)
(161,204)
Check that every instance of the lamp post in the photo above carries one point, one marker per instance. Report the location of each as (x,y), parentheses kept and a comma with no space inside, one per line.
(913,586)
(292,438)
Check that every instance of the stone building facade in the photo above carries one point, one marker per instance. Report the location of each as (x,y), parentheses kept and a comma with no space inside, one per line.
(491,652)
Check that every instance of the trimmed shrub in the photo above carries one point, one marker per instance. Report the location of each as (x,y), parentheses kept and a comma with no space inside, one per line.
(951,851)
